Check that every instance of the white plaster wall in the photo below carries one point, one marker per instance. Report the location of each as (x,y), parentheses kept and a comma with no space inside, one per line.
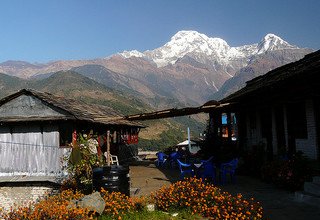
(30,150)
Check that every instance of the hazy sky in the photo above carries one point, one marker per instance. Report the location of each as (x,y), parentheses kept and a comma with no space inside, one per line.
(46,30)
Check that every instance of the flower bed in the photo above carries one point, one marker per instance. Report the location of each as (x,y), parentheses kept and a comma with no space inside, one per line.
(189,196)
(52,207)
(206,200)
(118,204)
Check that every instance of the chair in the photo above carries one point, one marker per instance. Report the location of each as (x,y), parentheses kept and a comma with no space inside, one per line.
(185,169)
(113,159)
(207,170)
(162,159)
(173,158)
(208,160)
(228,168)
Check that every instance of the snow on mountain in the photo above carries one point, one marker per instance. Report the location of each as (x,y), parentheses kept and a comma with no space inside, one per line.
(132,53)
(216,50)
(273,42)
(185,42)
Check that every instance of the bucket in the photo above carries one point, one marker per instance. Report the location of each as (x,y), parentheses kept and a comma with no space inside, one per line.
(114,178)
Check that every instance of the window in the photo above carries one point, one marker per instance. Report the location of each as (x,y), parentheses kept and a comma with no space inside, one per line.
(65,134)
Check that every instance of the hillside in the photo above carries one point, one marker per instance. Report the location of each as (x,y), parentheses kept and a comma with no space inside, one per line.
(160,133)
(10,84)
(257,67)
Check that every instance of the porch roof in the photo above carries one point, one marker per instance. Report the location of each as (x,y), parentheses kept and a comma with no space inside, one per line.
(174,112)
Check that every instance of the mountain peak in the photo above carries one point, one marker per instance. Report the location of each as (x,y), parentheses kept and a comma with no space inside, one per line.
(186,43)
(271,36)
(131,53)
(188,35)
(273,42)
(195,37)
(203,48)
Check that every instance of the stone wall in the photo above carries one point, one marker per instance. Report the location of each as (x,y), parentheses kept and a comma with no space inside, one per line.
(19,194)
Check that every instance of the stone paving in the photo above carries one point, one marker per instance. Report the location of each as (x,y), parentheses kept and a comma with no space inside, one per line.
(278,204)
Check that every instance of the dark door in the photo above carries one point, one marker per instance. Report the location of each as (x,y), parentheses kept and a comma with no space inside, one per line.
(317,119)
(297,124)
(266,130)
(281,139)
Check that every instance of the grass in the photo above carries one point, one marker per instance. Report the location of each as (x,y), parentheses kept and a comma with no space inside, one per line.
(155,215)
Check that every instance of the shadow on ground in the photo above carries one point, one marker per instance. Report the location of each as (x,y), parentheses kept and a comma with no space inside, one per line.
(147,178)
(278,204)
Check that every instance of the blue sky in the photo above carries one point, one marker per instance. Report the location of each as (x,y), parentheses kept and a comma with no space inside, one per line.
(42,31)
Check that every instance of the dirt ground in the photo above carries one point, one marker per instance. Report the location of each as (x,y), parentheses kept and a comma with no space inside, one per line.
(277,204)
(146,178)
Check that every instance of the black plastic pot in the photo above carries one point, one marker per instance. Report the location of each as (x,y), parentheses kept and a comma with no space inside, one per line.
(114,178)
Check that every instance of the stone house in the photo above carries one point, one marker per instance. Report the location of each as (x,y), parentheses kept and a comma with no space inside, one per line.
(37,129)
(278,111)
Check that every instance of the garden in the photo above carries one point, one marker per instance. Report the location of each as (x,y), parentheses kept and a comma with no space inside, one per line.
(188,199)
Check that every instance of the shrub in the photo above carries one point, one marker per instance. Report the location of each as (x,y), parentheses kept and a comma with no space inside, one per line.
(289,174)
(80,163)
(52,207)
(205,199)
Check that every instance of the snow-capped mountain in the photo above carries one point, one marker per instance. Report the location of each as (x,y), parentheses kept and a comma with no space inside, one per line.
(189,68)
(272,42)
(132,53)
(216,50)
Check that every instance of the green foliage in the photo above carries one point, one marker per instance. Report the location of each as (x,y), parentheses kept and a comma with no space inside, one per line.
(81,162)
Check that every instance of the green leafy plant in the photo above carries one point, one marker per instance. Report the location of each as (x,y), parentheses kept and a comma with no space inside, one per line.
(81,161)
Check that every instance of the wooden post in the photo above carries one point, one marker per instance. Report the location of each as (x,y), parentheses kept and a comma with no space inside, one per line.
(99,153)
(114,137)
(229,127)
(108,148)
(74,138)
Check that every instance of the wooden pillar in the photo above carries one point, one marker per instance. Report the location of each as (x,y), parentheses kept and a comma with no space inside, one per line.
(213,127)
(240,130)
(74,138)
(108,148)
(217,127)
(229,127)
(99,147)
